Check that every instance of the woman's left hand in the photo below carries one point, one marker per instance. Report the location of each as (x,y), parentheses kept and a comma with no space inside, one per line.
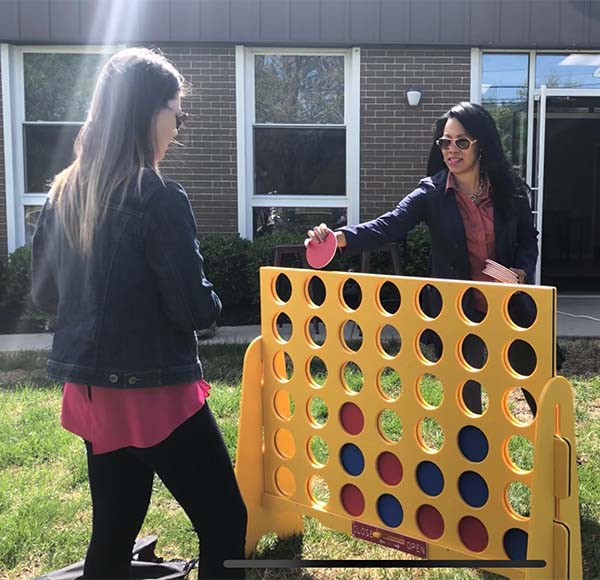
(521,274)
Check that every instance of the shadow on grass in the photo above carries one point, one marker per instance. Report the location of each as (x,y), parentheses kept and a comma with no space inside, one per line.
(590,538)
(289,548)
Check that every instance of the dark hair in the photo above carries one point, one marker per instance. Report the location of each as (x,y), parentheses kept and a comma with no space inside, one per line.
(480,125)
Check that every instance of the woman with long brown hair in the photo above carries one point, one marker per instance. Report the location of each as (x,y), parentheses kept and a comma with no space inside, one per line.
(115,255)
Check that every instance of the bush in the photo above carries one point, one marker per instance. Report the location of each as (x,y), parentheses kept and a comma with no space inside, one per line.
(17,311)
(226,266)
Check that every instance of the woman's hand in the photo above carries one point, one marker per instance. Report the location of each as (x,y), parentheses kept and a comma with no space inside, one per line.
(521,274)
(319,233)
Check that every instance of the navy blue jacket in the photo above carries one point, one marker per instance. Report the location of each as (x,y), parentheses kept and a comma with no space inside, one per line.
(126,314)
(515,235)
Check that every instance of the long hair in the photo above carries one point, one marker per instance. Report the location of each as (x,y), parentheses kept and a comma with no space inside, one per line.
(480,125)
(116,142)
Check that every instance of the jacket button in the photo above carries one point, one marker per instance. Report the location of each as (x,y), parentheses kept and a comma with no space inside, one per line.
(132,380)
(113,378)
(452,268)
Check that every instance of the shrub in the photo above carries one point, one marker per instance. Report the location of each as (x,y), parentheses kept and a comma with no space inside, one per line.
(226,266)
(17,312)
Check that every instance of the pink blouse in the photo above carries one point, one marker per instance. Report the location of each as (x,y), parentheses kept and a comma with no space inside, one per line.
(111,419)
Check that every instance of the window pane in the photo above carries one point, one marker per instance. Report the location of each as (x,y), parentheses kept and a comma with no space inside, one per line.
(299,89)
(580,71)
(267,220)
(48,150)
(504,94)
(32,213)
(299,161)
(59,87)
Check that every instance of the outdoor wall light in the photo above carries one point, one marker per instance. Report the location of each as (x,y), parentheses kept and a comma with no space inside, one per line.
(413,97)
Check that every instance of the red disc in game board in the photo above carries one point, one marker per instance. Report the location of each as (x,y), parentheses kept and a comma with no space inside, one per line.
(473,534)
(353,500)
(390,468)
(352,418)
(318,255)
(430,522)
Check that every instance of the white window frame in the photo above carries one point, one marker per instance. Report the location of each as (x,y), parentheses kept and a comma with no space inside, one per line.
(13,103)
(244,61)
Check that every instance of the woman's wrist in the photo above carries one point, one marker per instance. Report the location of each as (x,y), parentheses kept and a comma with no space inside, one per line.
(340,239)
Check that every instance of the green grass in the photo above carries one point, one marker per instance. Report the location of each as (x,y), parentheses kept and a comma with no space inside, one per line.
(45,508)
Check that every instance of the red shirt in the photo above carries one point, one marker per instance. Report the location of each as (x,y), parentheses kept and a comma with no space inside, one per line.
(478,221)
(111,419)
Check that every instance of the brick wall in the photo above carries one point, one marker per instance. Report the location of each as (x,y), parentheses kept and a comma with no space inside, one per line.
(3,233)
(206,163)
(396,138)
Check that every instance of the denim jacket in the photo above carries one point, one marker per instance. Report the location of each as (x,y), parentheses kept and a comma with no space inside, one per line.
(127,313)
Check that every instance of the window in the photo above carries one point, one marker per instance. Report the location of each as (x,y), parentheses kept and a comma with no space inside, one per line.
(50,96)
(577,70)
(504,89)
(300,122)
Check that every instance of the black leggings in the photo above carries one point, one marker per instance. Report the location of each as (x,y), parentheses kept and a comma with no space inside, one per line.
(194,465)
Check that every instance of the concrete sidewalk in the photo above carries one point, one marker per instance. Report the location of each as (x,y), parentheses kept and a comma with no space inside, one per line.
(576,317)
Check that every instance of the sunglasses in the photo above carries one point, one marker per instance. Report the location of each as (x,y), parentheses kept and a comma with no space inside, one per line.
(463,143)
(180,118)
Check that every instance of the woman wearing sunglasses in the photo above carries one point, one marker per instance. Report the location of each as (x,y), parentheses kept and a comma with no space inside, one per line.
(475,207)
(115,256)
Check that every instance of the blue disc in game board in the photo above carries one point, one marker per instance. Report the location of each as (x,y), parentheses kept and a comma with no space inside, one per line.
(515,544)
(430,478)
(352,459)
(473,443)
(473,489)
(390,511)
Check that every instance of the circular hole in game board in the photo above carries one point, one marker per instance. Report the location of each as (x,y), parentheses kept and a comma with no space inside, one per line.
(430,391)
(318,451)
(429,302)
(518,499)
(515,544)
(473,534)
(283,327)
(352,377)
(352,337)
(431,434)
(390,426)
(474,398)
(352,500)
(318,490)
(389,341)
(284,404)
(317,332)
(352,418)
(389,468)
(473,305)
(521,309)
(317,370)
(431,347)
(283,288)
(521,358)
(519,453)
(474,351)
(284,443)
(283,366)
(430,478)
(316,291)
(520,406)
(473,489)
(390,510)
(351,294)
(317,411)
(389,298)
(473,443)
(430,522)
(352,459)
(389,384)
(285,481)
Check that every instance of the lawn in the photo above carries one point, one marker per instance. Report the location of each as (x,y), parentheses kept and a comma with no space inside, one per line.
(45,509)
